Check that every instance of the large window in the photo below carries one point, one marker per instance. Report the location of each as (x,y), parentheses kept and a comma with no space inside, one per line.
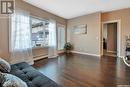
(40,33)
(61,36)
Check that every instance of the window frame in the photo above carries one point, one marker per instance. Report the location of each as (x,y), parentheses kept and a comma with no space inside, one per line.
(61,25)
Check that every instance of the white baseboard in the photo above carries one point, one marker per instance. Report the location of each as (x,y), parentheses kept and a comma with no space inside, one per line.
(41,57)
(45,56)
(111,51)
(86,53)
(61,51)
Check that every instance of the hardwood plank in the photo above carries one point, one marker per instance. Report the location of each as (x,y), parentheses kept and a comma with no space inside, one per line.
(76,70)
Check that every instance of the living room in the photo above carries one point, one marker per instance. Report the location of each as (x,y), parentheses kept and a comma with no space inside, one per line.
(50,44)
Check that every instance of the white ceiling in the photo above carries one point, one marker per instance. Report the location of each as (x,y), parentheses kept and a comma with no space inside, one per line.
(72,8)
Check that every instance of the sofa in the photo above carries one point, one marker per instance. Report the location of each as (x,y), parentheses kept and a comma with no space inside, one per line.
(31,76)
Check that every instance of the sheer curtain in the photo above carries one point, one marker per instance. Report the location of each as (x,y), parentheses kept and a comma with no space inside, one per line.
(52,46)
(20,41)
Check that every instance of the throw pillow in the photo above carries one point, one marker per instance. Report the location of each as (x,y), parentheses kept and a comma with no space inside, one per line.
(4,66)
(9,80)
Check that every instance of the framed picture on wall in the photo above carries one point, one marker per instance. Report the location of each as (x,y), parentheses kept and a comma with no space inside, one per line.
(80,29)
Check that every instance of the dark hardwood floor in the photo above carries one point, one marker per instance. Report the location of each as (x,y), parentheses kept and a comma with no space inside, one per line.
(76,70)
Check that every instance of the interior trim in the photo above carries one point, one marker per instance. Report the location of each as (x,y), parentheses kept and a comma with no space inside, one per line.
(118,35)
(40,57)
(86,53)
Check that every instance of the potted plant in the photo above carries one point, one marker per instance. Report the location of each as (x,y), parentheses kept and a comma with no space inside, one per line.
(68,47)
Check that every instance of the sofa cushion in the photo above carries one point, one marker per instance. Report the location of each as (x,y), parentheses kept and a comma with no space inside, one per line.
(31,76)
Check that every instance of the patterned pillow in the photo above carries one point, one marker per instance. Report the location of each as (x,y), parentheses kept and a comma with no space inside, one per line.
(4,66)
(9,80)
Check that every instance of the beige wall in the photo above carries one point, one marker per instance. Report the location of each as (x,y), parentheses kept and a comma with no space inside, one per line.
(124,16)
(112,37)
(4,25)
(80,41)
(4,48)
(89,43)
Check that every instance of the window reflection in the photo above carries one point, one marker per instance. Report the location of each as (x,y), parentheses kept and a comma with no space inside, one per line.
(39,33)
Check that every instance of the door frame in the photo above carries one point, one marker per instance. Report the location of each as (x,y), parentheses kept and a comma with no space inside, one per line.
(118,36)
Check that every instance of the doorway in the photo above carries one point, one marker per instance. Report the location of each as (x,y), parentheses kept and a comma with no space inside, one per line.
(111,38)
